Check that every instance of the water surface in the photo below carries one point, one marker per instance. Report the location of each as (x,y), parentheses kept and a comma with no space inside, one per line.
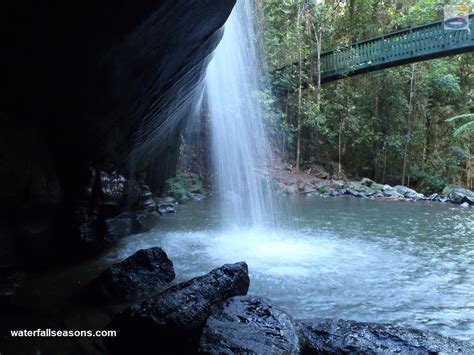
(405,263)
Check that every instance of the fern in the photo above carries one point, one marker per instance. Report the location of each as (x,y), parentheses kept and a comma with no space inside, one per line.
(466,127)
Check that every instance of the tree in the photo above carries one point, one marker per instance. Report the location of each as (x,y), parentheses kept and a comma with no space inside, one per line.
(411,112)
(467,130)
(367,126)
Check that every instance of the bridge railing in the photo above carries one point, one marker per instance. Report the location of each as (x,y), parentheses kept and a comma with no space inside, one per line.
(410,43)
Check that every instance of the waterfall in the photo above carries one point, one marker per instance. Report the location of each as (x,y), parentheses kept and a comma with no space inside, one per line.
(240,148)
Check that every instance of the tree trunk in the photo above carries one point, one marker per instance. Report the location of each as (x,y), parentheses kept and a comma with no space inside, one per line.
(339,146)
(411,112)
(300,94)
(424,155)
(469,177)
(318,35)
(374,132)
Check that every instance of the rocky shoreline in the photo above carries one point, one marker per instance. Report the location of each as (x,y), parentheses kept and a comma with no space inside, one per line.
(285,182)
(369,189)
(212,314)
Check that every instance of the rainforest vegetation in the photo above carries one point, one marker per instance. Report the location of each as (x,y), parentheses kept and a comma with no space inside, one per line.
(393,125)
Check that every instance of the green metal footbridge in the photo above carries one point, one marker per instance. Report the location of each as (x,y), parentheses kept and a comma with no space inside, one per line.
(403,47)
(408,46)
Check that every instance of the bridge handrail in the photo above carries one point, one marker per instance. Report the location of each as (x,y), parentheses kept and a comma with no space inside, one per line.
(392,34)
(415,41)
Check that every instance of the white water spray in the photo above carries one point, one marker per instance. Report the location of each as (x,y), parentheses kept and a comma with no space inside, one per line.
(239,144)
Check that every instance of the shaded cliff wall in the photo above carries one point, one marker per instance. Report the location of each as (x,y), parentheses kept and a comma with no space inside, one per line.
(92,93)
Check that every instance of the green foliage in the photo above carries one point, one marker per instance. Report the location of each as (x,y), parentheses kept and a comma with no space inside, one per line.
(323,189)
(365,118)
(420,12)
(428,183)
(467,127)
(445,86)
(279,130)
(183,185)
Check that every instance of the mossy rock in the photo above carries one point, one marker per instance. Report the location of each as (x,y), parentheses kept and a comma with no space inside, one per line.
(323,189)
(376,187)
(183,186)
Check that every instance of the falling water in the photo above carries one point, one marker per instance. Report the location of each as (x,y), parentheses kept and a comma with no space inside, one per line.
(239,144)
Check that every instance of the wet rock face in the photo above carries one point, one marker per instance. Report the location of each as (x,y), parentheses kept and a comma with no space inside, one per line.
(141,275)
(91,109)
(145,221)
(249,325)
(174,319)
(118,227)
(112,188)
(344,336)
(112,207)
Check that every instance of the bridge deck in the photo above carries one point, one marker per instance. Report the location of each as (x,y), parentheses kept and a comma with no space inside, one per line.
(407,46)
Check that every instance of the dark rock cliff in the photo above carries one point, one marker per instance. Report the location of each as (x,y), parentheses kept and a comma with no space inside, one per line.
(94,97)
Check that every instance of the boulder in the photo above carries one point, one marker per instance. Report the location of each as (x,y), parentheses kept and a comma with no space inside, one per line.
(337,184)
(415,196)
(145,221)
(389,191)
(249,325)
(165,199)
(90,233)
(143,274)
(438,198)
(118,227)
(376,187)
(354,193)
(197,196)
(367,182)
(133,191)
(433,197)
(459,194)
(323,175)
(408,193)
(166,208)
(464,205)
(112,188)
(345,336)
(146,201)
(174,319)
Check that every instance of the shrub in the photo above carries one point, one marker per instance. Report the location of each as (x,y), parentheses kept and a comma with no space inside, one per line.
(428,183)
(323,189)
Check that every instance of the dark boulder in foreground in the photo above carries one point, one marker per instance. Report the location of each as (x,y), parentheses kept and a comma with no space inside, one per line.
(174,319)
(344,336)
(141,275)
(249,325)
